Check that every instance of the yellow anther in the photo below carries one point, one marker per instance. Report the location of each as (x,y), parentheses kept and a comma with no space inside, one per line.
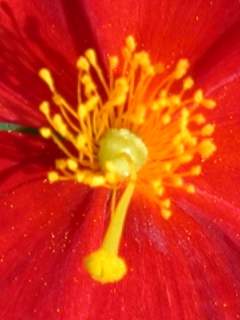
(113,62)
(46,76)
(191,140)
(185,113)
(181,68)
(188,83)
(175,100)
(86,79)
(45,132)
(209,104)
(142,59)
(163,93)
(207,130)
(199,119)
(45,108)
(198,96)
(57,119)
(196,170)
(158,187)
(155,106)
(180,149)
(90,89)
(131,43)
(83,64)
(91,55)
(72,164)
(167,166)
(139,116)
(166,214)
(166,203)
(89,85)
(120,100)
(121,85)
(81,141)
(80,176)
(156,184)
(190,188)
(97,181)
(82,111)
(177,181)
(53,176)
(163,102)
(206,148)
(166,119)
(120,92)
(92,103)
(185,158)
(60,125)
(61,164)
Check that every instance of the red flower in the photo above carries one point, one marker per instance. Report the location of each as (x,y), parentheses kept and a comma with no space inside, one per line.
(182,268)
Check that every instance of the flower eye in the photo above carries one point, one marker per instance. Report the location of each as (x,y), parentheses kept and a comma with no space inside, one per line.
(122,151)
(140,127)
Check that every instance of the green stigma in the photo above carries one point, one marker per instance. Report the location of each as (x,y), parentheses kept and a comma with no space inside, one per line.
(122,151)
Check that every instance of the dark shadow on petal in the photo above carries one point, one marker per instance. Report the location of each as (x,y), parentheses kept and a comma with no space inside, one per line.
(29,156)
(217,53)
(77,16)
(25,49)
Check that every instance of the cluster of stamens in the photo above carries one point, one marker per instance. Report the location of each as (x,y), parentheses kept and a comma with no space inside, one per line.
(136,124)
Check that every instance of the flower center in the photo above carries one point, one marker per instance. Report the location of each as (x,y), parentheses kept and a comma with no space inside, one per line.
(136,129)
(121,151)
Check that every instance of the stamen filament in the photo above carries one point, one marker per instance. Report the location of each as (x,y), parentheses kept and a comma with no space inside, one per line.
(62,147)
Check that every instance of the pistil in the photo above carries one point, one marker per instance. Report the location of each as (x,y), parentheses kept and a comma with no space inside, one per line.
(105,265)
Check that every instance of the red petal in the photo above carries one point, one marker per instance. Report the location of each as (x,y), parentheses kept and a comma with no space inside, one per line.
(177,270)
(36,34)
(170,29)
(217,199)
(33,34)
(23,158)
(220,77)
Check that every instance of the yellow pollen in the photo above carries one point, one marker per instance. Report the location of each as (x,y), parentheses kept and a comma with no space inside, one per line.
(83,64)
(45,132)
(130,130)
(53,176)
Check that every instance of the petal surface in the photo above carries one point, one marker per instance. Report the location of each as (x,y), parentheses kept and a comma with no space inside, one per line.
(169,29)
(219,75)
(33,32)
(217,198)
(36,34)
(179,269)
(23,158)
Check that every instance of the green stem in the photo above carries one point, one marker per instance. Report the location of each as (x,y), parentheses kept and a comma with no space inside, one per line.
(12,127)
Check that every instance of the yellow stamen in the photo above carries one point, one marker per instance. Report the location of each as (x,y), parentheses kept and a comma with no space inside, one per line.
(53,176)
(46,76)
(128,131)
(45,132)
